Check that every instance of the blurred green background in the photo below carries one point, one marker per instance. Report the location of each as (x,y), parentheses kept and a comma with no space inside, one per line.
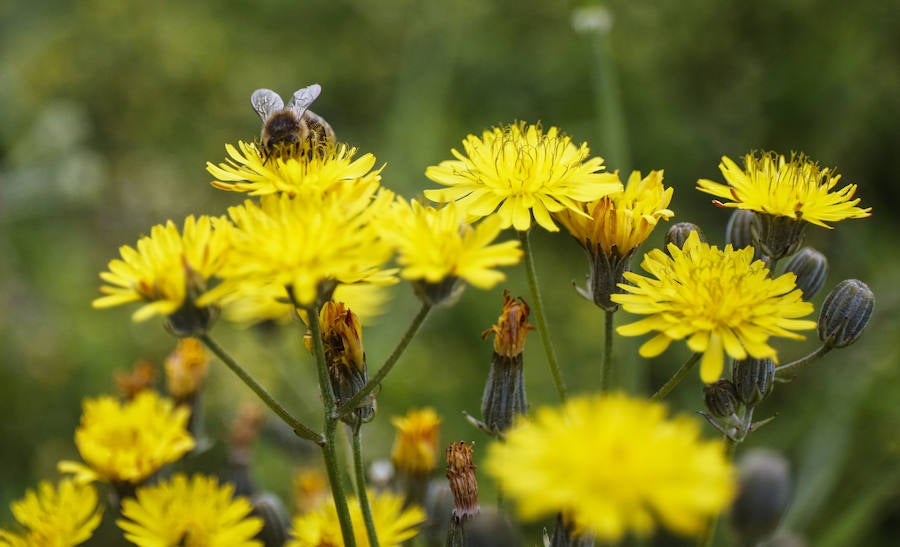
(110,110)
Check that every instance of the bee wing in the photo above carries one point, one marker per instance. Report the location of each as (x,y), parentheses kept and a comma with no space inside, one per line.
(303,98)
(266,101)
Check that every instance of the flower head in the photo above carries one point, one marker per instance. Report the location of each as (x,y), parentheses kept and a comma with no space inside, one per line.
(249,170)
(612,464)
(435,244)
(394,524)
(169,270)
(616,224)
(128,442)
(62,515)
(720,300)
(518,171)
(186,368)
(797,188)
(189,511)
(415,448)
(307,244)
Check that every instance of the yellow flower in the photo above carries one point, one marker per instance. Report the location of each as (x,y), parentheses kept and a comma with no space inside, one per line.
(271,303)
(131,441)
(394,524)
(415,448)
(186,368)
(616,224)
(517,171)
(196,511)
(436,244)
(306,243)
(795,188)
(168,270)
(55,516)
(248,170)
(612,464)
(718,300)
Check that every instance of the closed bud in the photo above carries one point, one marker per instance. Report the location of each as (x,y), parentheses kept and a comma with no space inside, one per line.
(276,520)
(753,379)
(679,232)
(504,391)
(764,490)
(463,484)
(739,231)
(845,313)
(720,398)
(778,236)
(811,267)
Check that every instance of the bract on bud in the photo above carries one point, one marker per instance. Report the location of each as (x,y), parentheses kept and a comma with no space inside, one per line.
(753,379)
(811,268)
(845,313)
(778,236)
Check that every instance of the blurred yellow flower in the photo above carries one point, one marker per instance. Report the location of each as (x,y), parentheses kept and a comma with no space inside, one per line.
(186,368)
(415,448)
(248,170)
(306,243)
(616,224)
(720,300)
(796,188)
(63,515)
(128,442)
(196,511)
(612,465)
(436,244)
(394,524)
(517,171)
(168,270)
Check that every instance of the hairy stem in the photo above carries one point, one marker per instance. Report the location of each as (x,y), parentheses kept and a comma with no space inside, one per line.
(676,378)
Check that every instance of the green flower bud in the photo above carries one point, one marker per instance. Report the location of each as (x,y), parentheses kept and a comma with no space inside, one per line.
(679,232)
(721,398)
(753,379)
(739,230)
(845,313)
(276,520)
(504,392)
(778,236)
(764,490)
(811,267)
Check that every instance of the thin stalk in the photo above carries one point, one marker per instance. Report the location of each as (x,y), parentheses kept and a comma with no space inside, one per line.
(299,428)
(607,350)
(709,533)
(410,333)
(676,378)
(328,450)
(819,352)
(538,307)
(363,496)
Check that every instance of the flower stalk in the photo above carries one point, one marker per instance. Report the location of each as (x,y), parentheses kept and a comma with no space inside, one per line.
(676,378)
(363,497)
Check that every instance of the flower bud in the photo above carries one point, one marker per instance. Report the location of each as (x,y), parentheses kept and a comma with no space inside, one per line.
(845,313)
(739,231)
(679,232)
(764,490)
(191,320)
(753,379)
(606,272)
(778,236)
(141,377)
(720,398)
(443,293)
(504,391)
(463,484)
(811,267)
(186,369)
(415,451)
(276,520)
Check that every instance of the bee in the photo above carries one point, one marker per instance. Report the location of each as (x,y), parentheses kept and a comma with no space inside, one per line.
(293,129)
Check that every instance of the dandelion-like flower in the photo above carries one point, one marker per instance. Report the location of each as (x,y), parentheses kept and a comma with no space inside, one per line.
(307,245)
(189,511)
(436,244)
(394,524)
(611,228)
(612,465)
(720,300)
(415,447)
(169,271)
(128,442)
(518,171)
(249,170)
(61,515)
(797,188)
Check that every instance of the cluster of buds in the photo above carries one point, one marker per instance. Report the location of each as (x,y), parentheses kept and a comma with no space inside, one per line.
(731,402)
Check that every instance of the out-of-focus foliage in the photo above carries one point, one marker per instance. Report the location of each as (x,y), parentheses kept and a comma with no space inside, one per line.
(109,112)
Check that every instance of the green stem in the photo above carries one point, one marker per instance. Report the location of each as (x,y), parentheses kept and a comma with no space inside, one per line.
(607,350)
(376,380)
(538,307)
(328,449)
(709,533)
(676,378)
(819,352)
(363,496)
(299,428)
(608,97)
